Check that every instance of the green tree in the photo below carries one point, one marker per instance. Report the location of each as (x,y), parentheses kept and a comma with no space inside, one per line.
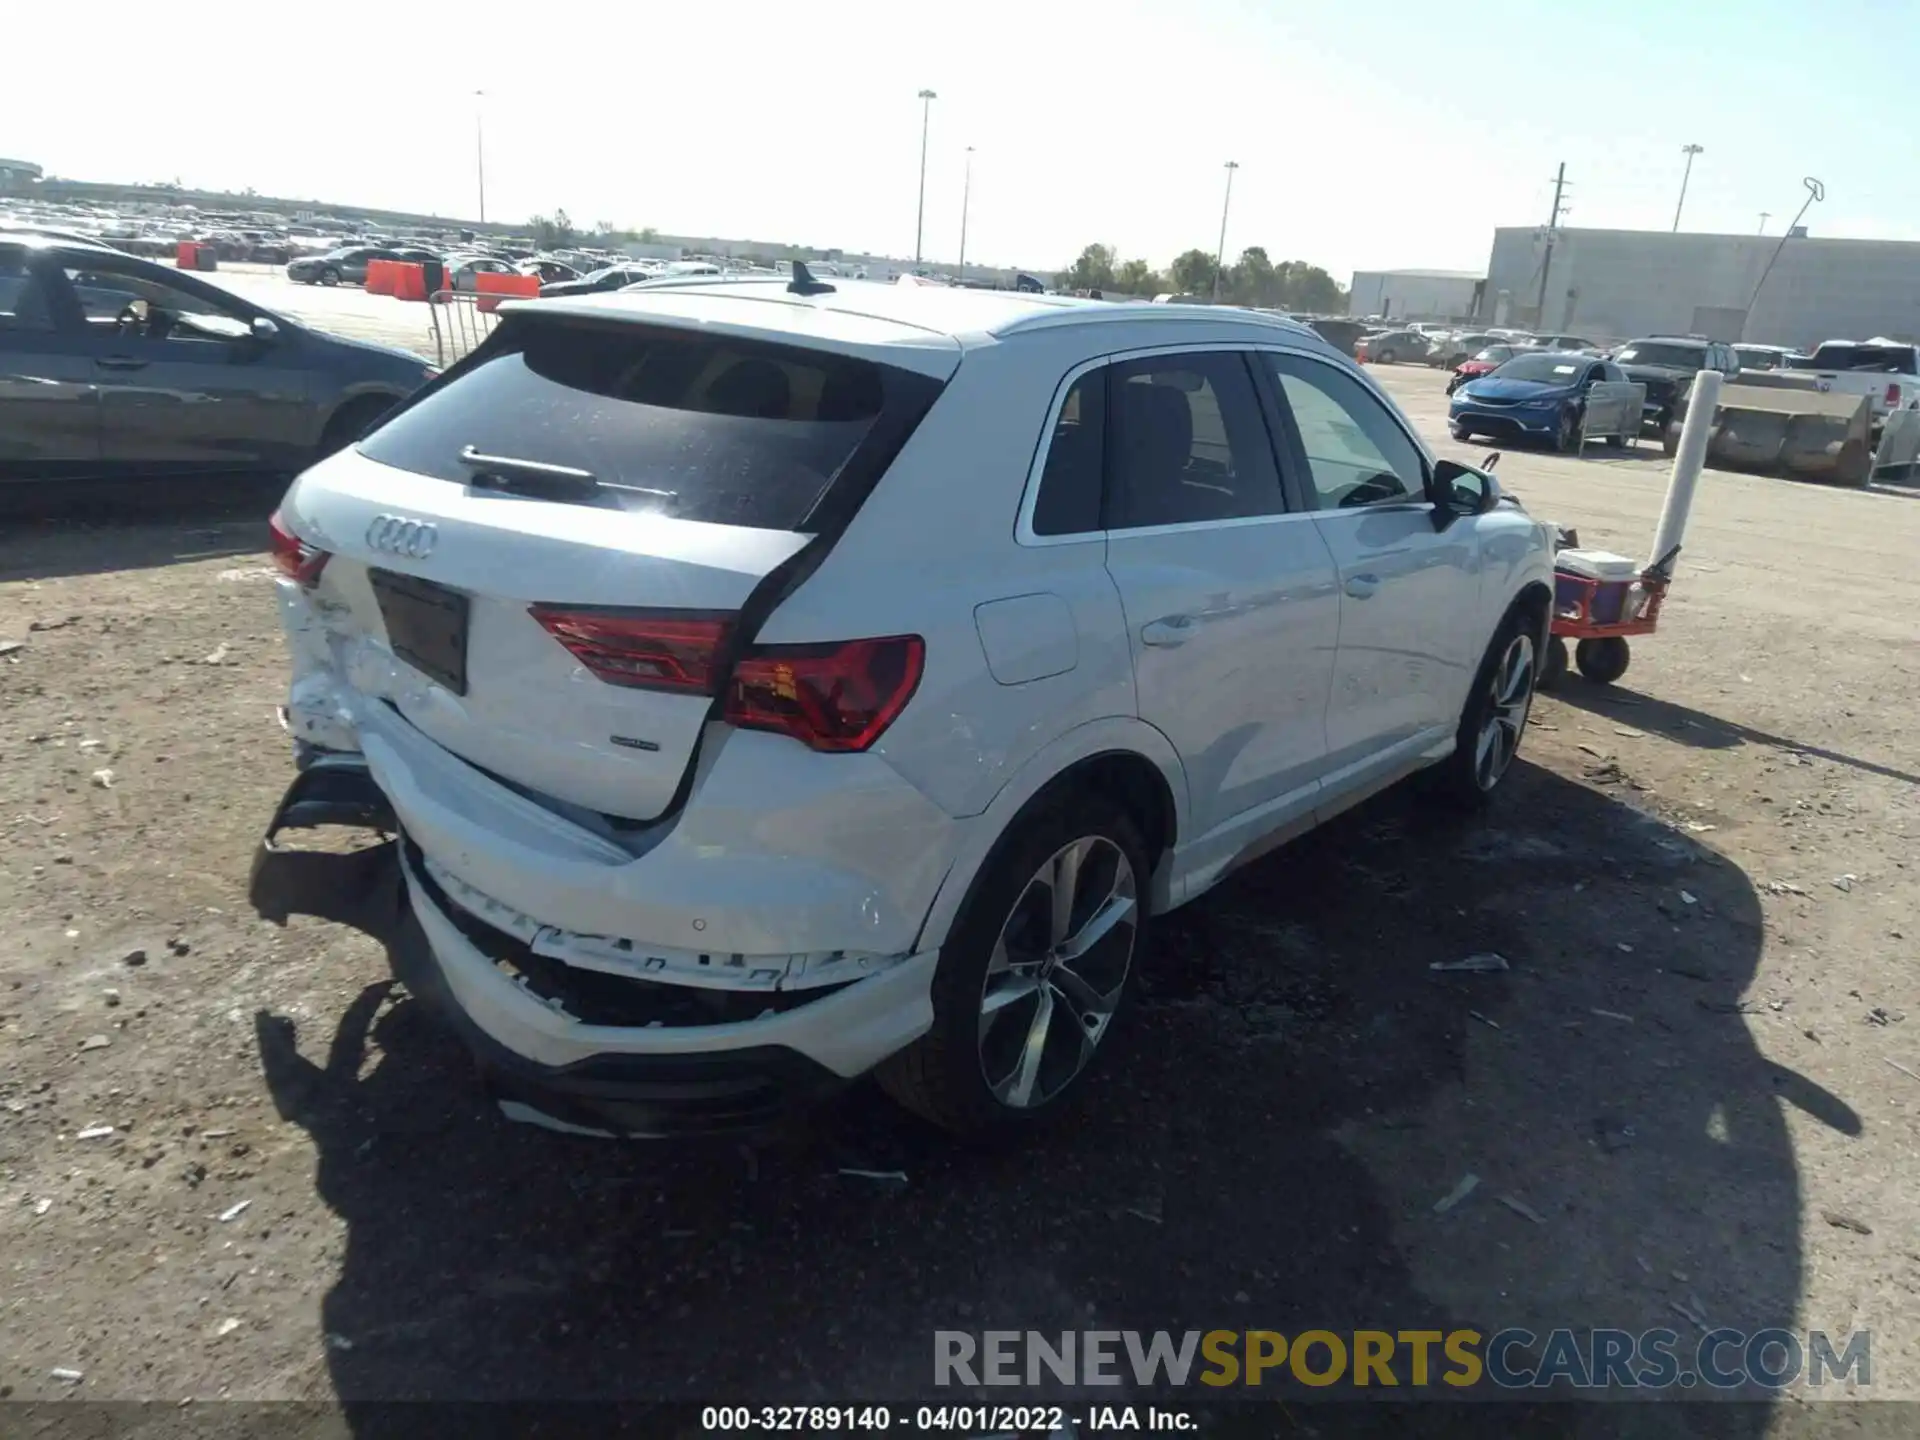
(1136,277)
(1192,273)
(1251,280)
(550,234)
(1092,271)
(649,235)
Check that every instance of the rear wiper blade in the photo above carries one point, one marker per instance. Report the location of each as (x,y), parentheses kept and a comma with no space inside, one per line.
(509,472)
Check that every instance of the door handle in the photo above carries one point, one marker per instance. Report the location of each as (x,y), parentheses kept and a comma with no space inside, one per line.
(1361,586)
(120,362)
(1168,631)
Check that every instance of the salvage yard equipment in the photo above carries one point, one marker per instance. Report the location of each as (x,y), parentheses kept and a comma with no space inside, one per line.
(1601,599)
(1787,422)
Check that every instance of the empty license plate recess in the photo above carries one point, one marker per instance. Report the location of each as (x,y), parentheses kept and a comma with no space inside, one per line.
(426,626)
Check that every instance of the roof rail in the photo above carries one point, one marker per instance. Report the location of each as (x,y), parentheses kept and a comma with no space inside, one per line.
(1108,313)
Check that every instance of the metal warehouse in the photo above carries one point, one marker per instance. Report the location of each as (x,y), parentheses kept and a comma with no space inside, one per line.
(1413,294)
(1617,284)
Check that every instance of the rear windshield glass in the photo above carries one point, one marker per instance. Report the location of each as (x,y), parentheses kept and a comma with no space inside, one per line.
(1679,357)
(695,426)
(1887,359)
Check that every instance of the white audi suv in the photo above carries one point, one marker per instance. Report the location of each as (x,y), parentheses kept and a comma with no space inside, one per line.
(770,681)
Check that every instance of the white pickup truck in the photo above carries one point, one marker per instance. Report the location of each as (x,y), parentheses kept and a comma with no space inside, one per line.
(1886,371)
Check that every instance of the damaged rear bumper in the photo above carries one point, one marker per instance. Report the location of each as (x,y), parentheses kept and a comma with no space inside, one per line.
(656,1078)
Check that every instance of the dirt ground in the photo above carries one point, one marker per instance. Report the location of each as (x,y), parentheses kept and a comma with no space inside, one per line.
(1698,1083)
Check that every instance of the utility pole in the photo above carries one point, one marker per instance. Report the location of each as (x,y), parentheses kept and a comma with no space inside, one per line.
(927,97)
(1689,151)
(1546,262)
(1220,254)
(1765,215)
(966,196)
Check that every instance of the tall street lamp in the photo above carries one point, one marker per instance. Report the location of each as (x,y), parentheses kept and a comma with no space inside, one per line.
(1689,151)
(966,195)
(927,97)
(1220,254)
(480,149)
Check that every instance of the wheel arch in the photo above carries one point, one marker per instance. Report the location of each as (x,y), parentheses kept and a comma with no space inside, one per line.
(1125,758)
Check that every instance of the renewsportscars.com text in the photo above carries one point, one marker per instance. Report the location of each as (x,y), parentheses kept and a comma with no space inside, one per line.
(1722,1359)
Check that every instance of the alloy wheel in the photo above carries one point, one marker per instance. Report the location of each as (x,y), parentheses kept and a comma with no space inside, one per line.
(1509,700)
(1057,971)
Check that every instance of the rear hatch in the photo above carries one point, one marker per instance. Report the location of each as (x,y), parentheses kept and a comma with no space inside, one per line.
(546,563)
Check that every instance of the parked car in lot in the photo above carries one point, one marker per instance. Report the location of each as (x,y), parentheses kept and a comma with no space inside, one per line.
(348,265)
(1483,361)
(111,365)
(1765,357)
(1666,365)
(1562,344)
(1886,371)
(1563,399)
(858,670)
(614,277)
(551,272)
(1390,346)
(1449,352)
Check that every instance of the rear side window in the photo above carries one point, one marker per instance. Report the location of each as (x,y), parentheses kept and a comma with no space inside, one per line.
(696,426)
(1069,498)
(23,302)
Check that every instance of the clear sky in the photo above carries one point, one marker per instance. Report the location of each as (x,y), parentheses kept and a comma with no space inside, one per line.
(1373,133)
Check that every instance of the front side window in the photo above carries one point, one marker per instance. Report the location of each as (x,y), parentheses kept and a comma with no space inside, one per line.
(140,305)
(1356,453)
(1186,443)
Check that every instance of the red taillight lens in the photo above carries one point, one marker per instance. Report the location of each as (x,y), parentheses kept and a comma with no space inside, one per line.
(671,650)
(829,697)
(1893,397)
(296,559)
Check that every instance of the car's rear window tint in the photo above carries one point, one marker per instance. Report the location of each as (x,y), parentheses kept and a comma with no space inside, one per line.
(697,426)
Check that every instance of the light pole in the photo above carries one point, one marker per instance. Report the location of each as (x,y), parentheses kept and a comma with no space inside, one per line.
(480,149)
(1220,254)
(1765,215)
(966,196)
(1689,151)
(927,97)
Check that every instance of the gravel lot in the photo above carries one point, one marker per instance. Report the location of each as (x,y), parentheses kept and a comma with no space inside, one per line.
(1704,879)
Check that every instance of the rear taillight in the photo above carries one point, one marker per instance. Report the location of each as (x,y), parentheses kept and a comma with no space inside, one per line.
(839,697)
(295,559)
(1893,397)
(672,650)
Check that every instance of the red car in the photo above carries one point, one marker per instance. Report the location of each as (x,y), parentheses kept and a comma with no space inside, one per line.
(1484,363)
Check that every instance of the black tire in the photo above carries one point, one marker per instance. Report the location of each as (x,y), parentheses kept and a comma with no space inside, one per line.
(1603,661)
(1460,433)
(1460,780)
(1553,666)
(942,1075)
(329,276)
(350,422)
(1616,442)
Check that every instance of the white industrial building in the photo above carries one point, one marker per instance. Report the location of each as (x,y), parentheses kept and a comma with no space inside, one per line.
(1414,294)
(1618,284)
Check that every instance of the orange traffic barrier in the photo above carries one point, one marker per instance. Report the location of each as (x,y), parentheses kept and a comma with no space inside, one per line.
(380,276)
(491,288)
(409,281)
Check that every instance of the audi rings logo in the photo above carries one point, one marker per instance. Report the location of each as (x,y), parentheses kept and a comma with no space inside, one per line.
(397,535)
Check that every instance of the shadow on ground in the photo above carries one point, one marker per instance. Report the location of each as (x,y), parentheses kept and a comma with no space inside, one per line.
(1697,728)
(96,529)
(1294,1091)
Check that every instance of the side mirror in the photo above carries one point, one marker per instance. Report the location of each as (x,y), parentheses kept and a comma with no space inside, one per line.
(1458,490)
(263,329)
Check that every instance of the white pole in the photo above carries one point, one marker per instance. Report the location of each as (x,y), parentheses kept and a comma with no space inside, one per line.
(1691,457)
